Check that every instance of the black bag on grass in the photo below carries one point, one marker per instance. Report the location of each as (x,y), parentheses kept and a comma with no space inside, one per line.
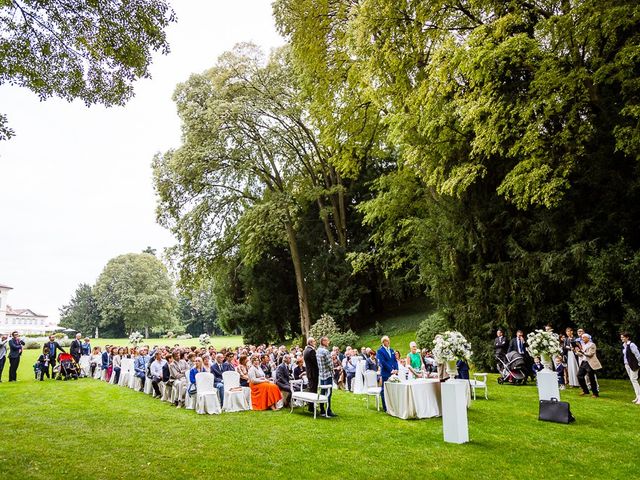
(555,411)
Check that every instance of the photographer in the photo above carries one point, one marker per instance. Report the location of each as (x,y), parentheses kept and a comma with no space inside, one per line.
(15,352)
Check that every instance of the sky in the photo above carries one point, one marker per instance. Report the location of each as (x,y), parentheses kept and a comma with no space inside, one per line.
(75,182)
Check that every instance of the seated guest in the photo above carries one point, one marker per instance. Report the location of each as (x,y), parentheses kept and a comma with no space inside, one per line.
(156,370)
(264,394)
(300,372)
(265,365)
(463,370)
(140,366)
(117,364)
(283,377)
(338,372)
(218,368)
(197,368)
(42,365)
(105,361)
(178,376)
(85,348)
(372,361)
(430,364)
(403,371)
(206,362)
(559,368)
(243,370)
(95,360)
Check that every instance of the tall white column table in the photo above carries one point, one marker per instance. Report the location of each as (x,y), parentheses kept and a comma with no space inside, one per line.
(454,411)
(548,385)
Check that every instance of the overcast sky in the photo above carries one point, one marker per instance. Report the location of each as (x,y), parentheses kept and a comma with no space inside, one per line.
(75,182)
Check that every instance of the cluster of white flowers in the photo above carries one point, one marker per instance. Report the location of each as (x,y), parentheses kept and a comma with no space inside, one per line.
(136,338)
(542,342)
(449,346)
(204,339)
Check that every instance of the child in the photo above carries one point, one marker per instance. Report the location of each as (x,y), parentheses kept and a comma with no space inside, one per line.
(559,371)
(42,367)
(537,366)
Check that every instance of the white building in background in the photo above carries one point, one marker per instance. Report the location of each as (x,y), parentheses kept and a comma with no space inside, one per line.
(24,320)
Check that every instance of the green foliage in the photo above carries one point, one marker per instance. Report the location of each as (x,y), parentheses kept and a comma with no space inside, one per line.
(80,49)
(32,345)
(344,339)
(134,290)
(325,326)
(429,328)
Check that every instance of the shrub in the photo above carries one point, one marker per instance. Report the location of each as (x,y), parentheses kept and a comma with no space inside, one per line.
(325,325)
(32,345)
(170,335)
(65,342)
(342,340)
(429,328)
(59,335)
(297,342)
(377,330)
(186,336)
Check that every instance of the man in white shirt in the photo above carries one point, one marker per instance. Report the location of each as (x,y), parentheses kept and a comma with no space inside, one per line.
(631,357)
(156,373)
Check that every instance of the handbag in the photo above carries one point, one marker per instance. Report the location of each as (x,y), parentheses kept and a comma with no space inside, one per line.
(555,411)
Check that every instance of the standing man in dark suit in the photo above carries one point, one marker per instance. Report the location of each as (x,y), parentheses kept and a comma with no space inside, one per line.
(500,346)
(76,348)
(283,378)
(15,351)
(388,365)
(54,346)
(4,340)
(311,364)
(519,344)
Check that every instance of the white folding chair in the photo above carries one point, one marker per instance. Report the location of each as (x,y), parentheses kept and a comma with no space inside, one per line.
(206,395)
(97,373)
(85,366)
(479,381)
(236,399)
(371,385)
(148,388)
(315,398)
(126,371)
(178,391)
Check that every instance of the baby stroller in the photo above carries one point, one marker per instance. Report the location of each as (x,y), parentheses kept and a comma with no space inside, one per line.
(513,369)
(67,367)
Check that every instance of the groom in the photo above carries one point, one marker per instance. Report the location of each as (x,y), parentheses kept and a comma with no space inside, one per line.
(388,365)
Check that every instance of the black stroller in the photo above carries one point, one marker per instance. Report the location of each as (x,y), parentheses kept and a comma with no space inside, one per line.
(67,368)
(513,369)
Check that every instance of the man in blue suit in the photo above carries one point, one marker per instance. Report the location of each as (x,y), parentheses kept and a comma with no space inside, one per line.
(388,365)
(140,366)
(218,368)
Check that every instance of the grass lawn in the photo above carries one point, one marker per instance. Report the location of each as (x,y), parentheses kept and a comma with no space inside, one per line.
(87,428)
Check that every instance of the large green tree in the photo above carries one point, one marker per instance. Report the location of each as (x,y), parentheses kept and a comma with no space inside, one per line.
(81,313)
(91,50)
(135,291)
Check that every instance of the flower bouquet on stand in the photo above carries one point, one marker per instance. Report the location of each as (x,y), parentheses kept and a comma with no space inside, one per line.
(135,338)
(545,345)
(449,347)
(205,340)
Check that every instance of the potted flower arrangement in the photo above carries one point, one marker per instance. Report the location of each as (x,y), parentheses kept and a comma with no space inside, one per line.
(204,339)
(545,345)
(135,338)
(449,347)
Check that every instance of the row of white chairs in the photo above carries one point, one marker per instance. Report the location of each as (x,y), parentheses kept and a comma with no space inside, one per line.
(205,400)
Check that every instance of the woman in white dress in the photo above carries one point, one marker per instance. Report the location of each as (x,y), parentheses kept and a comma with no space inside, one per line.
(572,363)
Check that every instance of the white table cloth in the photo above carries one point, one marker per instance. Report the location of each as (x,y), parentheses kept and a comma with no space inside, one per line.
(418,398)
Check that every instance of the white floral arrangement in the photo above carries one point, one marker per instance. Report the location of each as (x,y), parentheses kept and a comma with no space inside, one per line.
(393,379)
(136,338)
(450,346)
(204,339)
(542,342)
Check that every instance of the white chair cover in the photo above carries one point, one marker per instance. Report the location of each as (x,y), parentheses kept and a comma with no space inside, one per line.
(358,385)
(372,388)
(206,396)
(235,400)
(97,374)
(103,374)
(178,391)
(189,400)
(148,388)
(126,369)
(85,366)
(135,382)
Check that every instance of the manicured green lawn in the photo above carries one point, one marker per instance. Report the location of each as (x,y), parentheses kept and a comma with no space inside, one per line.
(89,429)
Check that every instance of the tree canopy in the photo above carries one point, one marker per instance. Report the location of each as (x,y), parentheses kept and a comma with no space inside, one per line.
(80,49)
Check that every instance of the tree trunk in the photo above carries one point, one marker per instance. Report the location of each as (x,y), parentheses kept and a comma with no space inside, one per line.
(96,335)
(303,299)
(146,332)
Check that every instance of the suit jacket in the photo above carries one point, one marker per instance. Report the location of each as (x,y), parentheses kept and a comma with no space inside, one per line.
(311,362)
(76,348)
(513,345)
(283,375)
(500,345)
(387,362)
(105,360)
(589,352)
(218,371)
(15,348)
(139,365)
(53,348)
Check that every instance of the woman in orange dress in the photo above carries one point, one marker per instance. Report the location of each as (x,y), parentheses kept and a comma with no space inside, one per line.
(264,394)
